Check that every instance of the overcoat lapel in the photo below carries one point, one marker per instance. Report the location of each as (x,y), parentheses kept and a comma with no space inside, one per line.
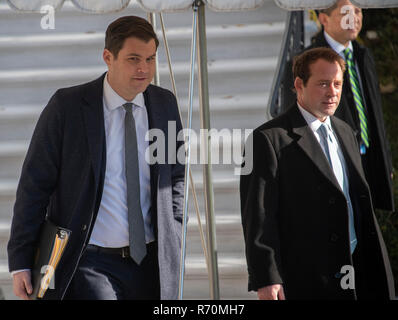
(348,151)
(93,114)
(307,142)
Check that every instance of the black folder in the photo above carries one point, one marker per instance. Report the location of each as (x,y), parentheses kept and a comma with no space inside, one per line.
(52,244)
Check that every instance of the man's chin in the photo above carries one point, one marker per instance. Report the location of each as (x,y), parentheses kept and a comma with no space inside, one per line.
(352,34)
(141,87)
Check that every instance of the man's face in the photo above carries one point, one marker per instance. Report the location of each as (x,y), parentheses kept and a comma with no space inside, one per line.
(132,71)
(343,25)
(321,95)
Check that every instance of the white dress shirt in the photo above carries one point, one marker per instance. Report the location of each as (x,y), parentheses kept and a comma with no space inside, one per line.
(111,226)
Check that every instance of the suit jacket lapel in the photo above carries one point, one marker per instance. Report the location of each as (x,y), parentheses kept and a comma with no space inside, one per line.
(308,143)
(93,113)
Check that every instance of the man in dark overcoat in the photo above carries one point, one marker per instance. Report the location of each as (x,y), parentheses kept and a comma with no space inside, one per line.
(307,213)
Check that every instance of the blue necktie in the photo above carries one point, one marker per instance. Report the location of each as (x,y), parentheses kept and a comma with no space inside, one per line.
(336,163)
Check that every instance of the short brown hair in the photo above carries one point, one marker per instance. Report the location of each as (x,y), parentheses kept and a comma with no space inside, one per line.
(126,27)
(302,63)
(328,11)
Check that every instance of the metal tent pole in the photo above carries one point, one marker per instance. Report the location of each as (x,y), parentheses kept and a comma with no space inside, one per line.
(188,158)
(192,183)
(206,145)
(152,20)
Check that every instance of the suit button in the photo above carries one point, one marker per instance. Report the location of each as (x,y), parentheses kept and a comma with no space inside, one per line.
(332,200)
(334,237)
(84,227)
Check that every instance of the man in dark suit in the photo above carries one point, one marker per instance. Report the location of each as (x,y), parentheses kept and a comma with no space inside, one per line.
(307,213)
(360,104)
(86,170)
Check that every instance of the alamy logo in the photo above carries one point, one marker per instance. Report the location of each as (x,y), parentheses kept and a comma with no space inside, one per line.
(226,147)
(348,280)
(48,20)
(48,277)
(348,21)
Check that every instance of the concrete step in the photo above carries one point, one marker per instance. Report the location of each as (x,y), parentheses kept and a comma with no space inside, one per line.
(218,32)
(232,278)
(229,234)
(249,41)
(82,74)
(226,77)
(5,276)
(5,226)
(7,198)
(12,154)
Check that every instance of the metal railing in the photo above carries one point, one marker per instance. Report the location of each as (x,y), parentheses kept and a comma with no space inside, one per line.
(292,44)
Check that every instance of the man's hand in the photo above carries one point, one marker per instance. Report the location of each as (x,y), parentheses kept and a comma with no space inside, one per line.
(22,284)
(273,292)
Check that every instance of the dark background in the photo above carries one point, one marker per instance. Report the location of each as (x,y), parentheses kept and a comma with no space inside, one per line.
(380,34)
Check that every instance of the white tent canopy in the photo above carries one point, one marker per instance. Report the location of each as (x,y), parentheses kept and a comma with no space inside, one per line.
(106,6)
(322,4)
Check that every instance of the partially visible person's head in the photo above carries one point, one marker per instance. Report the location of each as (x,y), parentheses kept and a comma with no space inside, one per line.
(130,54)
(342,21)
(318,80)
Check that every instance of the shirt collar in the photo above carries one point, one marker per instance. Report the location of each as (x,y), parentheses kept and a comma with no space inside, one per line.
(313,122)
(337,46)
(113,100)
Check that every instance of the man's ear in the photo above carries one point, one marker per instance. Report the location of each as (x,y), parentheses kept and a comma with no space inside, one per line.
(298,84)
(107,56)
(323,19)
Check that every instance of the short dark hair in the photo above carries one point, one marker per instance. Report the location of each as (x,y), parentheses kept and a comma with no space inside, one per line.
(328,11)
(126,27)
(302,63)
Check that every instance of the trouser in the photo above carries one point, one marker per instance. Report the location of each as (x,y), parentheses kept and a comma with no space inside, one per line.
(106,275)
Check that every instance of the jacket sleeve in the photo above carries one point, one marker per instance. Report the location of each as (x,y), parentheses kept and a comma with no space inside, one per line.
(36,185)
(259,208)
(178,169)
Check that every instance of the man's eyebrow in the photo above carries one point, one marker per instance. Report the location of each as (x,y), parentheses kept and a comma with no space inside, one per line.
(138,55)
